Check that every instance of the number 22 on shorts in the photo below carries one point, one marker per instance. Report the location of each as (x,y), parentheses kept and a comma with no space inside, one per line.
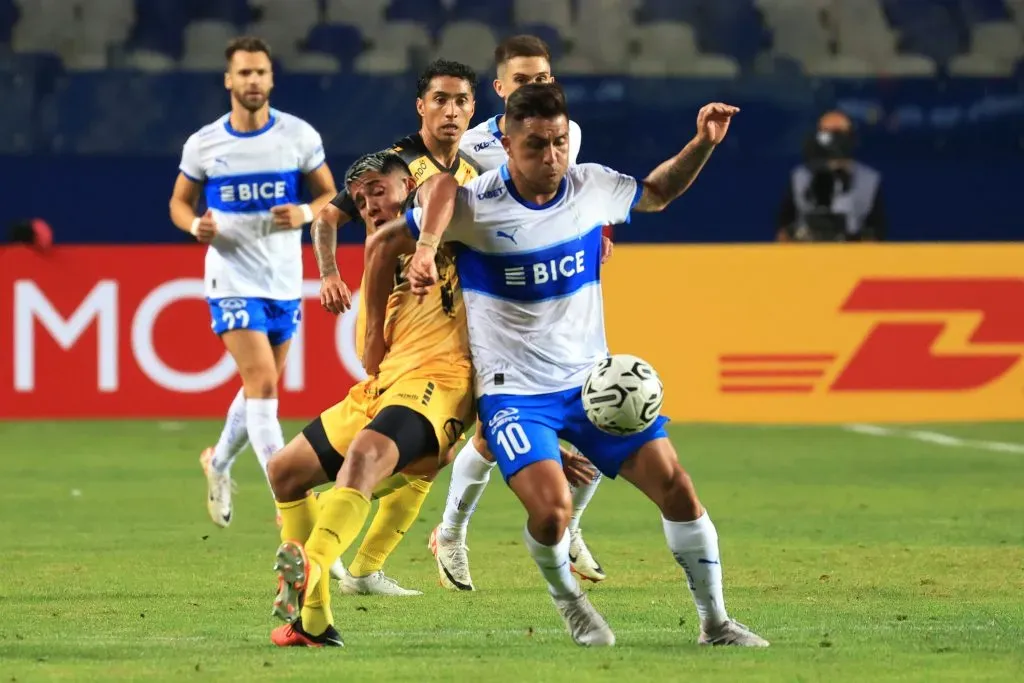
(513,440)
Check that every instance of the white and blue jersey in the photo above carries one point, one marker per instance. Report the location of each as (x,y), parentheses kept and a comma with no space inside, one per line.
(482,144)
(531,277)
(250,261)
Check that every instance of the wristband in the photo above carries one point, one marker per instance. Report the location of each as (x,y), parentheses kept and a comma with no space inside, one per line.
(307,213)
(195,226)
(429,241)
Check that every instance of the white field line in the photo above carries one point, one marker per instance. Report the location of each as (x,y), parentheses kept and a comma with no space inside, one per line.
(936,438)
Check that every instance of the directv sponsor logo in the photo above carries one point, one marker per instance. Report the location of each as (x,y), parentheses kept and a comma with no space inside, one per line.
(484,145)
(231,304)
(503,417)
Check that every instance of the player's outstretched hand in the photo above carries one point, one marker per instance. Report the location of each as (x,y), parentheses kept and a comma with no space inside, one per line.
(578,469)
(606,249)
(287,216)
(206,228)
(422,271)
(334,294)
(713,121)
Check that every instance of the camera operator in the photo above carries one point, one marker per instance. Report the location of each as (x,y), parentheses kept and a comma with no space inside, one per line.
(831,197)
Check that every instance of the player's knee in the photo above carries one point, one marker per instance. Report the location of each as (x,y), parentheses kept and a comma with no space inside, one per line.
(679,502)
(262,385)
(549,518)
(480,445)
(370,458)
(284,479)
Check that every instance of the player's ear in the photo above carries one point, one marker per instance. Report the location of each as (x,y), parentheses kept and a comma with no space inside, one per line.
(227,80)
(506,143)
(421,106)
(499,88)
(410,183)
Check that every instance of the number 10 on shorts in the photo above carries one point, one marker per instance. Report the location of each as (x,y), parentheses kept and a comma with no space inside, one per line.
(512,439)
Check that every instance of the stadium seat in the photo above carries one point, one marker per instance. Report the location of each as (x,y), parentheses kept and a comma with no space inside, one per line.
(669,10)
(799,33)
(293,16)
(549,34)
(731,28)
(382,62)
(556,13)
(978,66)
(312,62)
(428,13)
(340,41)
(158,26)
(365,14)
(980,11)
(839,66)
(495,13)
(237,12)
(44,26)
(284,39)
(149,61)
(933,31)
(469,42)
(204,45)
(576,63)
(605,31)
(998,39)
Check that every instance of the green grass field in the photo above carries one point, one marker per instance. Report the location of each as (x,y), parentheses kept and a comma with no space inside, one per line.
(861,558)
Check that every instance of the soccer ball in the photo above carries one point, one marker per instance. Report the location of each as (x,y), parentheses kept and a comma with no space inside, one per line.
(622,395)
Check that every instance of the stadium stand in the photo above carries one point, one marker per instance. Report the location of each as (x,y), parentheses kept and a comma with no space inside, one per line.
(134,77)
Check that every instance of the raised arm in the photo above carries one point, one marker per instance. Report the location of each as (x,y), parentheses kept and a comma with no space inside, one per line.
(381,273)
(673,177)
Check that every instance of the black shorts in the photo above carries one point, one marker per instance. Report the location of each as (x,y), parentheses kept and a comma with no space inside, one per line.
(411,432)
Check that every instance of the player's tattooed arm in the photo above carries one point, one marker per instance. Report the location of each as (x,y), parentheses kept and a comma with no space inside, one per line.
(673,177)
(335,296)
(383,272)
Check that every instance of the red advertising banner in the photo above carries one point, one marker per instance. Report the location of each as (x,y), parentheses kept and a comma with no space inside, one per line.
(119,331)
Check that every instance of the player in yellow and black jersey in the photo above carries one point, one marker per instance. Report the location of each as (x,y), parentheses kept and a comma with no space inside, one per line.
(391,429)
(445,103)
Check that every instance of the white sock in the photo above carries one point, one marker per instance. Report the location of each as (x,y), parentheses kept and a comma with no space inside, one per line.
(553,562)
(695,547)
(233,438)
(581,496)
(470,474)
(264,429)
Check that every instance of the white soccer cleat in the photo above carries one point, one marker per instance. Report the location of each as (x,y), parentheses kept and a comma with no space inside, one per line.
(452,561)
(338,570)
(730,633)
(586,625)
(581,559)
(218,491)
(374,584)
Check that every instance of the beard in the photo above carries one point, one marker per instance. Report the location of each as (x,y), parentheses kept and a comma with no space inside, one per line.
(253,102)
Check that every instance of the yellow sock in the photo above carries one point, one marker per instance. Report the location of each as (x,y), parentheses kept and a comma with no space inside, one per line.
(394,517)
(343,512)
(298,518)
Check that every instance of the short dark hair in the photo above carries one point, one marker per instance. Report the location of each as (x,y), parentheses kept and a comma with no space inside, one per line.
(246,44)
(520,46)
(383,162)
(540,100)
(444,67)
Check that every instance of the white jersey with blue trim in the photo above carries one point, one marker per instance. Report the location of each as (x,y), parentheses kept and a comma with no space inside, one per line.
(482,144)
(531,276)
(243,176)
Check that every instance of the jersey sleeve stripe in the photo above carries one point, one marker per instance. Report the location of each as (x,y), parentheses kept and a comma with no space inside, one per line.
(639,193)
(410,220)
(189,176)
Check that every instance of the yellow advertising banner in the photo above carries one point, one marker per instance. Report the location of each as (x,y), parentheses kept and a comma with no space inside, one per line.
(825,333)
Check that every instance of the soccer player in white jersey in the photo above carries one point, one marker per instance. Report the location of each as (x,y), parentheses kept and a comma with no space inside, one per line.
(529,242)
(248,165)
(519,60)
